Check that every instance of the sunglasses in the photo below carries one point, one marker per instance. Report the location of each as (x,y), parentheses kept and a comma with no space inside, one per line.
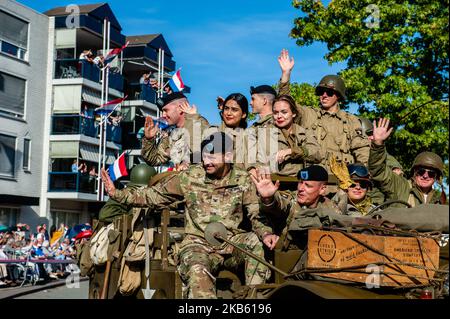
(321,90)
(360,171)
(362,184)
(421,172)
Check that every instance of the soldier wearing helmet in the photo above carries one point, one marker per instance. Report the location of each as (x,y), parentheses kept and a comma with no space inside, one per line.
(426,170)
(121,215)
(339,133)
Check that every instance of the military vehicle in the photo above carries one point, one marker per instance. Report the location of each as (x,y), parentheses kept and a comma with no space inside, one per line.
(348,258)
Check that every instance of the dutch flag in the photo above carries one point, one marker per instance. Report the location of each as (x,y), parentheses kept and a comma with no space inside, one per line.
(111,105)
(113,53)
(176,83)
(118,168)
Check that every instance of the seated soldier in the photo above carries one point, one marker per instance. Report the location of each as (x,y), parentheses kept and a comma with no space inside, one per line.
(426,169)
(114,212)
(353,197)
(282,206)
(215,191)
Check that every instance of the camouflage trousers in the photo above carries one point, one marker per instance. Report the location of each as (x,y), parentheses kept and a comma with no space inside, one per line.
(199,261)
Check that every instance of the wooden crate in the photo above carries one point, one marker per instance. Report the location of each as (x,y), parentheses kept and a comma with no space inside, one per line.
(332,249)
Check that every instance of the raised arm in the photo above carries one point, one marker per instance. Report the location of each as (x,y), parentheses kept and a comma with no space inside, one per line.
(161,195)
(389,181)
(286,64)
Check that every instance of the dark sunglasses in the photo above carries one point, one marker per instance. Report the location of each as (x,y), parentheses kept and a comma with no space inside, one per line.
(321,90)
(358,170)
(421,171)
(362,184)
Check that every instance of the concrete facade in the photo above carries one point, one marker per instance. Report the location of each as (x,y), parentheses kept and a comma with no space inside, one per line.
(23,189)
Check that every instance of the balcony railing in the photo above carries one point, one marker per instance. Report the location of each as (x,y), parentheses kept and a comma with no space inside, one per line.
(138,91)
(73,124)
(72,182)
(75,68)
(76,124)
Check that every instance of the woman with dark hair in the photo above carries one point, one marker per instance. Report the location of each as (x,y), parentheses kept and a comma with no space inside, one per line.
(235,111)
(296,145)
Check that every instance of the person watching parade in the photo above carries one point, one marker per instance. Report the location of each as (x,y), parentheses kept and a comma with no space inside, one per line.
(214,191)
(338,133)
(178,145)
(427,169)
(296,145)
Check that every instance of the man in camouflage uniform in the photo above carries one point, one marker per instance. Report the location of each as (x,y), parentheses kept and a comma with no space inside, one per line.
(338,132)
(121,215)
(179,145)
(215,191)
(283,206)
(427,169)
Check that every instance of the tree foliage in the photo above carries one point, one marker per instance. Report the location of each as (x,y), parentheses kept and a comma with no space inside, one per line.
(397,64)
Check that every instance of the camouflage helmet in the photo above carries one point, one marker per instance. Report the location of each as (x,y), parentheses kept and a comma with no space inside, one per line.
(334,82)
(141,174)
(429,159)
(367,126)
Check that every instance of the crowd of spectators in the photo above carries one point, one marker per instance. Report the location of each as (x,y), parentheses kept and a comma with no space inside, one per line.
(20,247)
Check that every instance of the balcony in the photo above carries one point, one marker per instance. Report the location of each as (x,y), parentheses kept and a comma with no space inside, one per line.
(136,91)
(72,182)
(71,124)
(75,68)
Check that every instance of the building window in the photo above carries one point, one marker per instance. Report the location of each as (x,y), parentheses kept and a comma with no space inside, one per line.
(63,217)
(26,154)
(12,95)
(9,216)
(13,35)
(7,155)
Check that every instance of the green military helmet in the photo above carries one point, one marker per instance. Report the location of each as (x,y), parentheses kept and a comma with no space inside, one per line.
(334,82)
(391,162)
(141,174)
(429,159)
(367,126)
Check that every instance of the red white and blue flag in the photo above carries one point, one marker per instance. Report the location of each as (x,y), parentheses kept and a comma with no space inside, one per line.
(110,106)
(113,53)
(118,168)
(176,83)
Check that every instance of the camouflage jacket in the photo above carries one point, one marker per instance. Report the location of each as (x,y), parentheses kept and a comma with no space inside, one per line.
(339,134)
(393,185)
(305,149)
(178,146)
(207,200)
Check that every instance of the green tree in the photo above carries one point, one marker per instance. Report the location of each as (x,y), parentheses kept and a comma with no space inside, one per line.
(304,94)
(397,64)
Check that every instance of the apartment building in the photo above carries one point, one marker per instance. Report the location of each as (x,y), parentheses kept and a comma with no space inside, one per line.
(24,47)
(49,133)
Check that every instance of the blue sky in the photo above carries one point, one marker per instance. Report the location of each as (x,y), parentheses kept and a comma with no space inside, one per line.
(222,46)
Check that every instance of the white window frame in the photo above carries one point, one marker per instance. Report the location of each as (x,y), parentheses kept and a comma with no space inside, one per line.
(12,114)
(17,215)
(2,175)
(15,44)
(26,168)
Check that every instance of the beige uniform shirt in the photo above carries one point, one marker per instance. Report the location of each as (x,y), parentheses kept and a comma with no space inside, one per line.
(339,134)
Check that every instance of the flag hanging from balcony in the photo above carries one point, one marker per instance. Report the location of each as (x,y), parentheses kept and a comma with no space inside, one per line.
(110,106)
(118,168)
(113,53)
(176,83)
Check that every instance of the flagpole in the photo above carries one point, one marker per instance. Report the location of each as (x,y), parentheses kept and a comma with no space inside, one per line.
(108,33)
(102,101)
